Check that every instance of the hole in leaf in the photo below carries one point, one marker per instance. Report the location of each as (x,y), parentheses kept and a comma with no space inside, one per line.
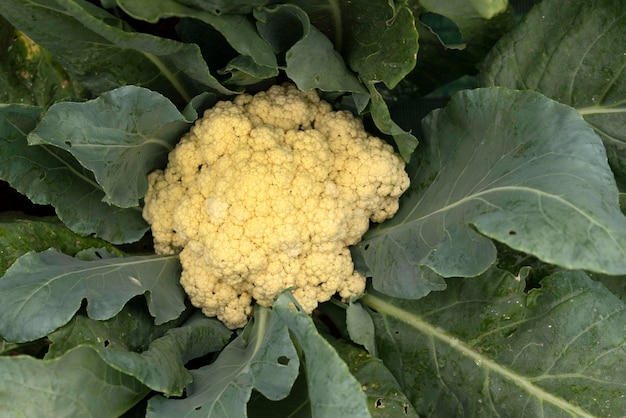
(366,247)
(379,403)
(106,343)
(68,143)
(283,360)
(512,233)
(197,408)
(406,409)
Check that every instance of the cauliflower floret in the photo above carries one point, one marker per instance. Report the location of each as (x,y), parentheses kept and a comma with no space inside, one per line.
(266,193)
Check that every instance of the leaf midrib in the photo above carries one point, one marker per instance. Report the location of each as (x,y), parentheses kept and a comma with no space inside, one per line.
(480,195)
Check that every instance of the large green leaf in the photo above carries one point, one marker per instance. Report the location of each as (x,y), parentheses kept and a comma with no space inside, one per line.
(262,357)
(132,344)
(344,397)
(483,348)
(28,74)
(20,234)
(78,384)
(103,53)
(121,136)
(513,166)
(50,175)
(42,291)
(576,59)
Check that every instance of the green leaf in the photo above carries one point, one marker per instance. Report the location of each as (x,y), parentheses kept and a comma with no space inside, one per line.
(78,384)
(383,392)
(385,397)
(222,7)
(344,398)
(42,291)
(28,74)
(405,141)
(103,53)
(381,42)
(508,165)
(49,175)
(121,136)
(579,63)
(484,348)
(132,329)
(453,39)
(296,405)
(20,234)
(158,363)
(361,327)
(311,60)
(262,357)
(380,45)
(616,284)
(237,29)
(313,63)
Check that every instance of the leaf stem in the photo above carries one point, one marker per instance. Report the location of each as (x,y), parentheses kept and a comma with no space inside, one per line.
(384,307)
(594,110)
(170,76)
(335,10)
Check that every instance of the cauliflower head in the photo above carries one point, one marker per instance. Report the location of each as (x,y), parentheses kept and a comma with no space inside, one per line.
(266,193)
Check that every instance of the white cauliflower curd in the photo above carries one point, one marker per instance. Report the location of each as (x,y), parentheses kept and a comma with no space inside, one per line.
(266,193)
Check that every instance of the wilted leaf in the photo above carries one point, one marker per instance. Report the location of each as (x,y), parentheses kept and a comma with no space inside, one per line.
(576,58)
(42,291)
(156,360)
(262,357)
(103,53)
(513,166)
(344,398)
(484,348)
(78,384)
(49,175)
(121,137)
(28,74)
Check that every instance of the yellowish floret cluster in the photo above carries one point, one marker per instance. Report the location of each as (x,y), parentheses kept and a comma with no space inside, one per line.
(266,193)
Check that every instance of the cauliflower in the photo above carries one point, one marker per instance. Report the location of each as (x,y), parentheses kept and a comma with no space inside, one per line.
(266,193)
